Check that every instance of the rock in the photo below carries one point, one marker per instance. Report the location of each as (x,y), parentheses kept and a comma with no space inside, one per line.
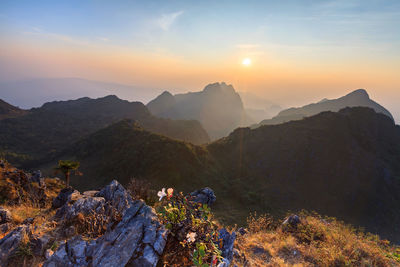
(28,221)
(137,240)
(83,205)
(39,244)
(69,231)
(5,227)
(292,220)
(36,176)
(228,240)
(70,253)
(116,194)
(91,193)
(10,243)
(5,215)
(65,196)
(204,196)
(242,231)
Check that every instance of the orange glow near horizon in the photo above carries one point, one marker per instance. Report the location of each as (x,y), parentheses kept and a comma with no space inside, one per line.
(278,78)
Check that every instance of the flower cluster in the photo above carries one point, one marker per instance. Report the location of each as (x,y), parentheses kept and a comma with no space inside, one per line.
(161,194)
(193,234)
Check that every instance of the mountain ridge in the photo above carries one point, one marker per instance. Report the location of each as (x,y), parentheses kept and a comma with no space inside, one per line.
(44,131)
(355,98)
(343,164)
(204,106)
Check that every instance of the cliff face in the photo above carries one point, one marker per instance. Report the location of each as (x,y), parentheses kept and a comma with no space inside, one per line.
(218,107)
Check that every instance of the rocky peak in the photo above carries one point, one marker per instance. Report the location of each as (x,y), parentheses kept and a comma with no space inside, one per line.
(358,94)
(219,87)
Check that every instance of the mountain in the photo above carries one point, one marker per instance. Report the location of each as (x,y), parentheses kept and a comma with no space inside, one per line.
(357,98)
(44,223)
(9,111)
(344,164)
(218,107)
(35,92)
(55,125)
(258,108)
(124,150)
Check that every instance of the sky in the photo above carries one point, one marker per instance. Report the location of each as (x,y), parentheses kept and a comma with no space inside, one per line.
(300,51)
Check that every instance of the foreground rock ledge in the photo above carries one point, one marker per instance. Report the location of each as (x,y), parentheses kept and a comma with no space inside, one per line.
(137,240)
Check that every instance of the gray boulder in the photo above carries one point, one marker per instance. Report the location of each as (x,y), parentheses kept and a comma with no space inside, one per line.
(5,215)
(137,240)
(116,195)
(204,196)
(228,241)
(10,243)
(39,243)
(292,220)
(66,195)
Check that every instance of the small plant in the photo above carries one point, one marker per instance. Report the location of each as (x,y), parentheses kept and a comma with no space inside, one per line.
(259,223)
(54,246)
(193,234)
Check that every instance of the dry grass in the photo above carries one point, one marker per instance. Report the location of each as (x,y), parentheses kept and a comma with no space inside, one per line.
(23,212)
(315,242)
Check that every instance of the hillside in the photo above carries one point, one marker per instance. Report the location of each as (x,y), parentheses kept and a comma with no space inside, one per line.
(54,225)
(10,111)
(51,128)
(357,98)
(343,164)
(125,150)
(218,107)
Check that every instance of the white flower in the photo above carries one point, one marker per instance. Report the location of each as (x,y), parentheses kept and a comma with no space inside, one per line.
(191,237)
(161,194)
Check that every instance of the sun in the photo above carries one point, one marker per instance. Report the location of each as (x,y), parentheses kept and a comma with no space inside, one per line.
(246,62)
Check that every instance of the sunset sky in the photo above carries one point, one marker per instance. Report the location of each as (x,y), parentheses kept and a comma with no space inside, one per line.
(300,51)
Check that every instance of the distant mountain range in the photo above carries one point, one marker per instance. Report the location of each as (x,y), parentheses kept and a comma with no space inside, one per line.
(218,108)
(258,108)
(357,98)
(35,92)
(42,132)
(344,164)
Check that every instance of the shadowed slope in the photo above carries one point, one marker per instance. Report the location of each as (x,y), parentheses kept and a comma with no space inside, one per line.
(55,125)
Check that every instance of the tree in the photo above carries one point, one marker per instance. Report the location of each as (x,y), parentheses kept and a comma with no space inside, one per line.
(66,166)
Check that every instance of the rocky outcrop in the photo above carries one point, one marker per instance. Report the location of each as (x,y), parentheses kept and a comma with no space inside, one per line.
(138,239)
(11,242)
(5,215)
(65,196)
(228,241)
(204,196)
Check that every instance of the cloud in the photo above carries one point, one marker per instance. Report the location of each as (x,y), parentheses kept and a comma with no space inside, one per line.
(166,20)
